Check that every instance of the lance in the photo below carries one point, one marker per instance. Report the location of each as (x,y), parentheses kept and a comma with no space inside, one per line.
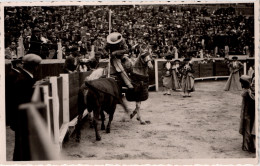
(109,56)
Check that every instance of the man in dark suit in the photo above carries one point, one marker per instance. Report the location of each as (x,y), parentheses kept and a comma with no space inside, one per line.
(10,78)
(35,42)
(24,89)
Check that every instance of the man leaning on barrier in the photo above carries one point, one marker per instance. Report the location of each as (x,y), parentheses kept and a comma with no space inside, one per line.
(23,88)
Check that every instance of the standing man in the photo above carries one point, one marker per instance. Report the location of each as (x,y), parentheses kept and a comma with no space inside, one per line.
(23,88)
(10,78)
(35,42)
(72,61)
(117,47)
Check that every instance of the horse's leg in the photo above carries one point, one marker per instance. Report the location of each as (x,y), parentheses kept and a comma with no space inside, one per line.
(81,107)
(111,115)
(90,120)
(134,112)
(138,105)
(102,119)
(95,122)
(78,127)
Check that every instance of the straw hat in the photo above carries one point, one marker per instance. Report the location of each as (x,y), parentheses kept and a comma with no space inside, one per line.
(32,58)
(114,38)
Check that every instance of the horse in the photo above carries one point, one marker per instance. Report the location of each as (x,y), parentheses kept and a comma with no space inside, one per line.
(140,80)
(99,99)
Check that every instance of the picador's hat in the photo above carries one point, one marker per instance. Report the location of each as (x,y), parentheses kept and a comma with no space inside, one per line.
(114,38)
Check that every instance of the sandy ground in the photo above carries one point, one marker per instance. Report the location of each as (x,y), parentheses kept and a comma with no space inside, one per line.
(203,126)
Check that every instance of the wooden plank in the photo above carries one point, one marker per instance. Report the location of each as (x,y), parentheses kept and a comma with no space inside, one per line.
(46,100)
(60,94)
(208,78)
(73,95)
(206,70)
(195,67)
(245,68)
(55,99)
(74,121)
(41,145)
(63,131)
(65,97)
(73,107)
(156,75)
(221,69)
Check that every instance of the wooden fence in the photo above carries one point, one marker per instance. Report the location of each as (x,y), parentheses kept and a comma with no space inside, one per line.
(35,136)
(60,95)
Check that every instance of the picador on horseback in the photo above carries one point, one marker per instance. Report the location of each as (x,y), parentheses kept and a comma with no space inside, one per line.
(100,93)
(117,48)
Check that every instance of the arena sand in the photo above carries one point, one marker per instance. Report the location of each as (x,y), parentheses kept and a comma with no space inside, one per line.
(204,126)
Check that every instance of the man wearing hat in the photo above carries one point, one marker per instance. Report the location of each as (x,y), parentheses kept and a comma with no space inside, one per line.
(16,68)
(117,47)
(35,42)
(23,88)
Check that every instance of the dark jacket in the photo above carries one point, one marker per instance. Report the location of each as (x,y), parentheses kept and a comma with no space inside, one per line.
(35,45)
(10,80)
(24,89)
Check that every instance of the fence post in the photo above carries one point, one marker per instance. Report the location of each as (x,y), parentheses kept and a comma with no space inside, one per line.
(156,75)
(40,143)
(65,97)
(245,68)
(46,98)
(55,99)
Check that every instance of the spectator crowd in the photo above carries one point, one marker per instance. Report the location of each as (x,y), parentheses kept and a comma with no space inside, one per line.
(183,30)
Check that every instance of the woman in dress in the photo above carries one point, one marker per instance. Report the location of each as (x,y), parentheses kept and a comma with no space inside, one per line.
(233,81)
(187,81)
(175,75)
(167,75)
(247,122)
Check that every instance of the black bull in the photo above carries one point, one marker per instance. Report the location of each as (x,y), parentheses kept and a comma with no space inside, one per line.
(103,95)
